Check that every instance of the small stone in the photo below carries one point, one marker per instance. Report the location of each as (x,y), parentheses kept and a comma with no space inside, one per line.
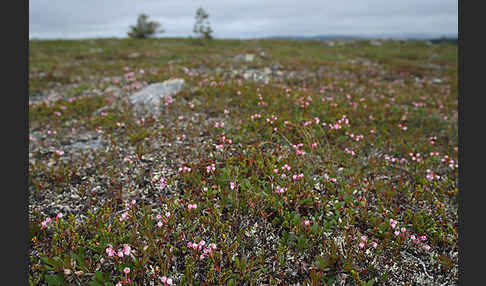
(134,55)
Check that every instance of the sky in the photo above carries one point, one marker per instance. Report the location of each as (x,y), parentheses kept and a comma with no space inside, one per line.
(74,19)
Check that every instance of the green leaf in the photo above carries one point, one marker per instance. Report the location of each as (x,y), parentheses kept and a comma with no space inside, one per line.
(99,276)
(95,283)
(79,258)
(322,262)
(50,263)
(54,280)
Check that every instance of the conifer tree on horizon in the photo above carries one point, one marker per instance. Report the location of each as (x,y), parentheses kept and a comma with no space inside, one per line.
(144,28)
(201,27)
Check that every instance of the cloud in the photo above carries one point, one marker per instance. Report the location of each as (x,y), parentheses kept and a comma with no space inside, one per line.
(250,18)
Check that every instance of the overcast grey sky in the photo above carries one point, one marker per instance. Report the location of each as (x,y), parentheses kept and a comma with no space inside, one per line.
(244,19)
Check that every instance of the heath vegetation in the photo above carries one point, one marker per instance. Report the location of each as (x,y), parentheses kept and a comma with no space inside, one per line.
(339,167)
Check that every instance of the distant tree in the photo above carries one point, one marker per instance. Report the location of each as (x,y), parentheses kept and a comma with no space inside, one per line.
(201,27)
(144,28)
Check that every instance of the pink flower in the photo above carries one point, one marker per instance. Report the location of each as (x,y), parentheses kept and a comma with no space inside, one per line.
(163,183)
(207,251)
(184,169)
(374,244)
(426,247)
(364,238)
(280,190)
(127,249)
(163,279)
(211,168)
(45,222)
(58,216)
(126,270)
(396,232)
(119,283)
(361,244)
(110,252)
(403,229)
(219,147)
(201,244)
(159,224)
(232,185)
(307,222)
(124,216)
(120,253)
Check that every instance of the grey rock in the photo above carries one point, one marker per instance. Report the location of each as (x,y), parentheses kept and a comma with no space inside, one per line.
(275,67)
(330,43)
(96,189)
(113,89)
(101,110)
(434,67)
(98,50)
(150,98)
(219,70)
(244,58)
(87,145)
(203,69)
(256,75)
(437,80)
